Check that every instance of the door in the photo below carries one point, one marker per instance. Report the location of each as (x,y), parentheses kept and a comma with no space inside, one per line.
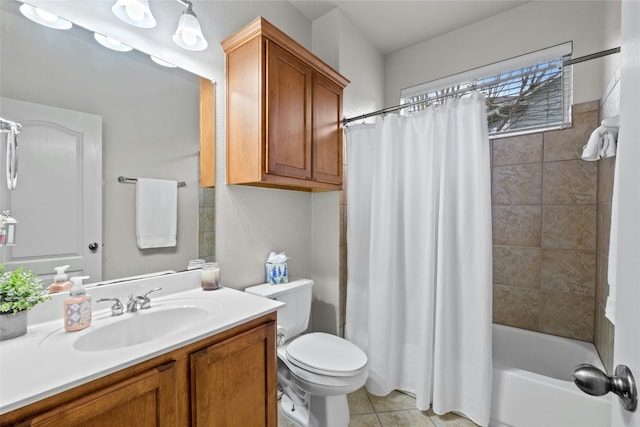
(58,198)
(627,338)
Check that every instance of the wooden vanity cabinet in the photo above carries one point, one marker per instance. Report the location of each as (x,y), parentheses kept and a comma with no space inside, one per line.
(284,111)
(228,379)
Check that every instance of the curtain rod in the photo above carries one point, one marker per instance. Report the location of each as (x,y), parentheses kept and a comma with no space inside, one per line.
(568,62)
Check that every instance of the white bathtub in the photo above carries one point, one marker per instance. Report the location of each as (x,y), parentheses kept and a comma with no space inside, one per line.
(532,383)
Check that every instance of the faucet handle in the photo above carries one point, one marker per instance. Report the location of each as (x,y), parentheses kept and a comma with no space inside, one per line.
(147,301)
(116,309)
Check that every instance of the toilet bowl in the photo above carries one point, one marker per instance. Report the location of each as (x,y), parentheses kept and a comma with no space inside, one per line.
(316,370)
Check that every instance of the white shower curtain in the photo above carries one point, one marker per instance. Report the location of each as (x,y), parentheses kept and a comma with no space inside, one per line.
(419,292)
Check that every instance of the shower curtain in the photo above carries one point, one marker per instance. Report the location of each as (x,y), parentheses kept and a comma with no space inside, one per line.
(419,293)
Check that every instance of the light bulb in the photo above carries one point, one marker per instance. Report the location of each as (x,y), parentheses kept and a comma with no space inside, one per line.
(46,16)
(135,10)
(189,36)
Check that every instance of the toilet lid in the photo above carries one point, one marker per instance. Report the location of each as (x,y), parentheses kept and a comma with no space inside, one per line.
(326,354)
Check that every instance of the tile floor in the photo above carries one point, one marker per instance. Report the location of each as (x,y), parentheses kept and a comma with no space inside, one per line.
(394,410)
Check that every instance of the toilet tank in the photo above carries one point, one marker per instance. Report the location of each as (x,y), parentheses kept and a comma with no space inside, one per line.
(293,318)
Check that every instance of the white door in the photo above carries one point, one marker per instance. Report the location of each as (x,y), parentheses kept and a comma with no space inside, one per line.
(627,328)
(58,198)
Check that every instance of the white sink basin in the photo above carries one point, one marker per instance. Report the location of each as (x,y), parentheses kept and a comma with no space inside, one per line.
(140,327)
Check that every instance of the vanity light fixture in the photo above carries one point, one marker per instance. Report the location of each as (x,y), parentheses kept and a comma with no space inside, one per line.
(162,62)
(134,12)
(111,43)
(45,18)
(189,34)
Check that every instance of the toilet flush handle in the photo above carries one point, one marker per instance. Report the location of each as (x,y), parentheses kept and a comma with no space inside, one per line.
(281,336)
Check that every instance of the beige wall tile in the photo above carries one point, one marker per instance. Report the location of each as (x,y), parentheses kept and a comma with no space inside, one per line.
(606,170)
(517,225)
(569,271)
(567,315)
(569,227)
(517,150)
(566,144)
(604,227)
(517,184)
(517,266)
(586,106)
(602,284)
(570,181)
(518,307)
(604,339)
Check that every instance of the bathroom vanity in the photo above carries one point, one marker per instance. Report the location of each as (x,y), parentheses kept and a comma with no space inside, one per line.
(215,367)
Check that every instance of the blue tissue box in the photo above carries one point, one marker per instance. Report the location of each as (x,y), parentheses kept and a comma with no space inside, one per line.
(277,273)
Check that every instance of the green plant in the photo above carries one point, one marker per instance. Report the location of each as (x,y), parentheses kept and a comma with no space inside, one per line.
(20,290)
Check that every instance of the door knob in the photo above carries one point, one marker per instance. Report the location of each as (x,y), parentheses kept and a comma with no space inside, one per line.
(93,246)
(593,381)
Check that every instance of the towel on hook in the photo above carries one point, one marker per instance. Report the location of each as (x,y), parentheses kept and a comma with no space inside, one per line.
(156,213)
(602,142)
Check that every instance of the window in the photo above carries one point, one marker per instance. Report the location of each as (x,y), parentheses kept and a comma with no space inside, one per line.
(529,93)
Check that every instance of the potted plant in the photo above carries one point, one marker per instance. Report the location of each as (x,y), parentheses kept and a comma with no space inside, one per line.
(20,291)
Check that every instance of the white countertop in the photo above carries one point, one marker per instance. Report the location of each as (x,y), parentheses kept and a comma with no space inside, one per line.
(44,362)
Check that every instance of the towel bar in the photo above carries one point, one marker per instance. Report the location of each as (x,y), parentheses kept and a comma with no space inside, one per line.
(124,179)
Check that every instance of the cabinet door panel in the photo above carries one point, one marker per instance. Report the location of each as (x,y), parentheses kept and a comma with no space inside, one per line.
(148,399)
(327,137)
(288,114)
(233,383)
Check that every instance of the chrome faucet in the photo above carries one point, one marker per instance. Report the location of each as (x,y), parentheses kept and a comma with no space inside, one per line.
(140,302)
(116,308)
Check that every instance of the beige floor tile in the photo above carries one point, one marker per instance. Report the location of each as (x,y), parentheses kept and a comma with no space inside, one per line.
(359,402)
(450,420)
(394,401)
(364,420)
(409,418)
(283,421)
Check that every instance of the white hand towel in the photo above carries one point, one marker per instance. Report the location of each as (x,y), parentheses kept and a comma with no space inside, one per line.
(609,146)
(156,213)
(591,151)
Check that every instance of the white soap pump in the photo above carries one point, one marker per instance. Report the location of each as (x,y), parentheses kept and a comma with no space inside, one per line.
(61,280)
(77,308)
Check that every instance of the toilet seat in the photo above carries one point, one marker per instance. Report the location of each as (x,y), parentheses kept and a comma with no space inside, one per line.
(326,354)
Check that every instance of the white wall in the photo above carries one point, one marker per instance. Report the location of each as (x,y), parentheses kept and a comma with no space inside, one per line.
(533,26)
(251,221)
(150,128)
(338,43)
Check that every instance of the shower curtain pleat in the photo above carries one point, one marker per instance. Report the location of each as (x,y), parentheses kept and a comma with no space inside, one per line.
(419,292)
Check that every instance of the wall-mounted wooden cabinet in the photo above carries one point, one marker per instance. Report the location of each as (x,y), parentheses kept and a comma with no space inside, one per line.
(228,379)
(284,112)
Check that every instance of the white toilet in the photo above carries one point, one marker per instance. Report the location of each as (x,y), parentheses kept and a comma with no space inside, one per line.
(316,371)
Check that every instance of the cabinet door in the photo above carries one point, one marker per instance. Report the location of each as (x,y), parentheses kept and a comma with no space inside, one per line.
(327,131)
(148,399)
(288,114)
(233,383)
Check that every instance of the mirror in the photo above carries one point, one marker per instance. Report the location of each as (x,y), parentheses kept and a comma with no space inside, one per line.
(150,128)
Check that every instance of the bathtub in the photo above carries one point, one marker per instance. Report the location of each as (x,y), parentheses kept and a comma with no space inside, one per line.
(532,383)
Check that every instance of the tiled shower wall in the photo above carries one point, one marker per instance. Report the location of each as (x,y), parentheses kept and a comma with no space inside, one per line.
(206,228)
(604,330)
(544,201)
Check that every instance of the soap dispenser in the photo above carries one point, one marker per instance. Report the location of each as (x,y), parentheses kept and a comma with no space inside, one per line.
(77,308)
(61,281)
